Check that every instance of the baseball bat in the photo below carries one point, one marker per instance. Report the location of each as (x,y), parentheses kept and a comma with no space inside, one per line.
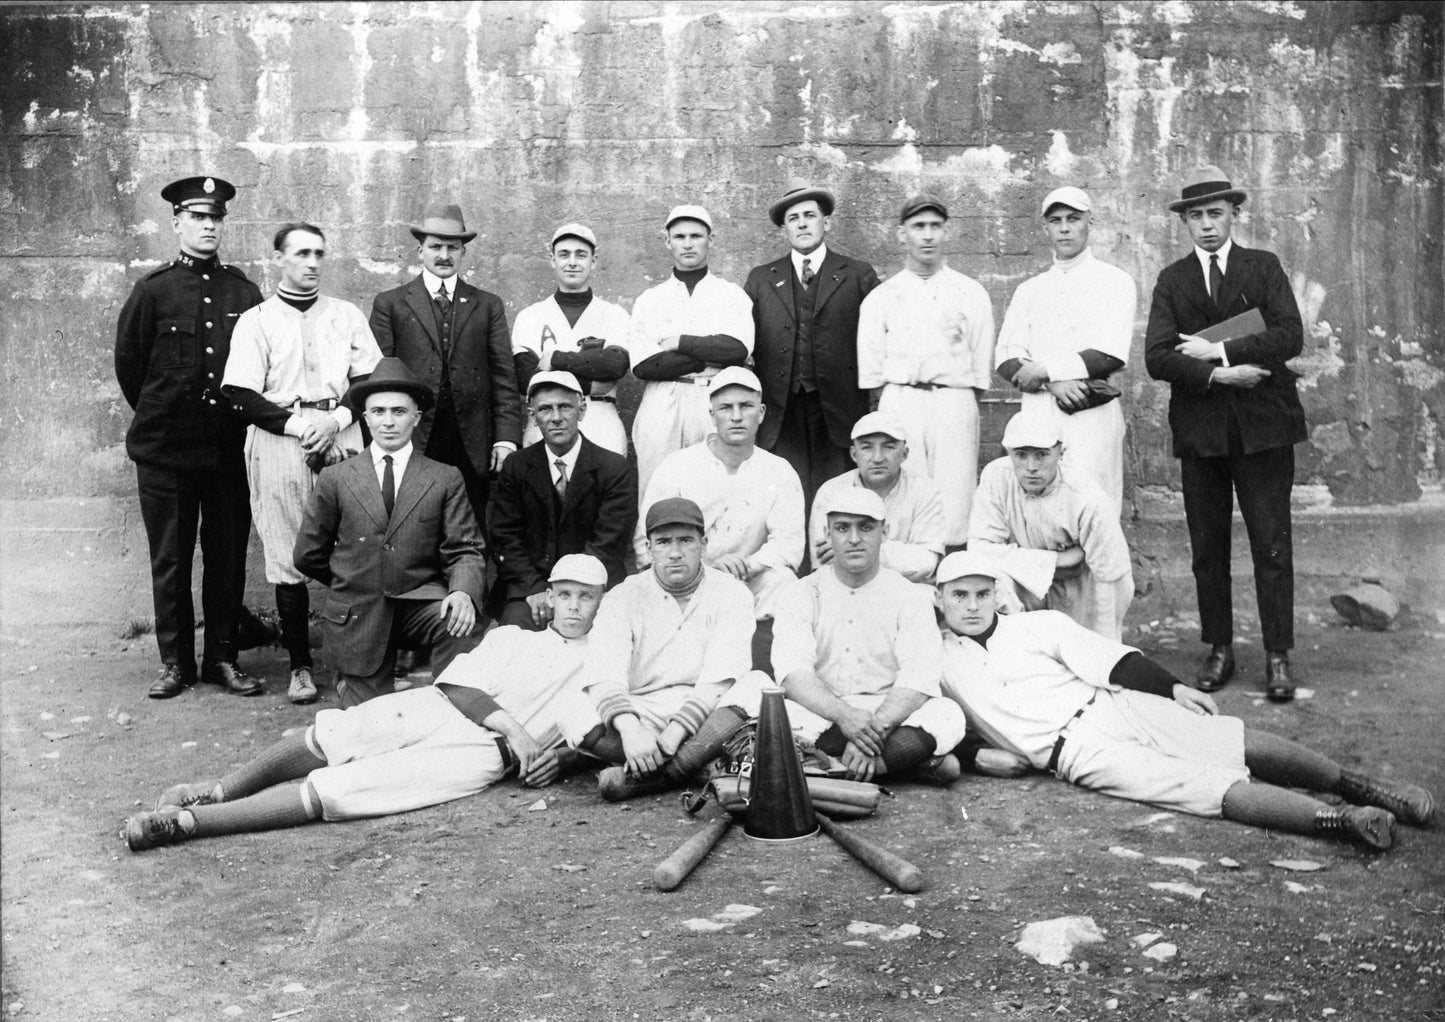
(674,869)
(897,870)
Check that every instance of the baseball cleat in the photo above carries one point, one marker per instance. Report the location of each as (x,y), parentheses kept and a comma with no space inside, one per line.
(303,686)
(615,784)
(1366,825)
(1410,803)
(181,796)
(151,830)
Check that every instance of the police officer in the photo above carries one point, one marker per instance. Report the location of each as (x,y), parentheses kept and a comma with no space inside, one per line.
(171,346)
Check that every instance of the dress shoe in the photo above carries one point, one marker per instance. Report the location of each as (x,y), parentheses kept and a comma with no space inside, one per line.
(1410,803)
(172,682)
(1217,669)
(1278,678)
(253,631)
(231,678)
(151,830)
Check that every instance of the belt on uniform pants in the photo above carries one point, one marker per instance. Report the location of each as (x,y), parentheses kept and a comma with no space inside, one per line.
(329,405)
(604,397)
(923,386)
(1059,743)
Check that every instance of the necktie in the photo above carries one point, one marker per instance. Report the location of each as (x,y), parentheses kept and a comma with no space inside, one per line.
(807,271)
(561,483)
(1216,278)
(444,306)
(388,486)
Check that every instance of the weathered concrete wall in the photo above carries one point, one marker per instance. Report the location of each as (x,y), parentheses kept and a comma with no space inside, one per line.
(354,115)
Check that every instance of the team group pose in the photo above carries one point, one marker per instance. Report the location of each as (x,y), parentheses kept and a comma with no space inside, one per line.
(798,502)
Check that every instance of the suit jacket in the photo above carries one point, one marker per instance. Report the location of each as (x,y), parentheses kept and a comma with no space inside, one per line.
(597,516)
(484,382)
(429,547)
(843,284)
(1200,416)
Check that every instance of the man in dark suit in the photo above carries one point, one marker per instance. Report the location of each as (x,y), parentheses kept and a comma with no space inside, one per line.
(171,346)
(805,308)
(454,337)
(391,534)
(1235,416)
(565,495)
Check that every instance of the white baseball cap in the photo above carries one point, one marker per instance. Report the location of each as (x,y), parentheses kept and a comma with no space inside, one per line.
(964,563)
(688,213)
(855,500)
(582,568)
(1030,429)
(878,422)
(554,378)
(575,230)
(1074,198)
(735,376)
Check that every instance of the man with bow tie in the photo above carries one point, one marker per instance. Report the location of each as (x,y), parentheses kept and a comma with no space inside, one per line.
(454,337)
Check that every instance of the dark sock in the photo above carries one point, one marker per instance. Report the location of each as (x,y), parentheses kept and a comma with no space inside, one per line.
(707,744)
(905,749)
(289,759)
(267,810)
(832,741)
(1278,760)
(605,744)
(1264,805)
(293,607)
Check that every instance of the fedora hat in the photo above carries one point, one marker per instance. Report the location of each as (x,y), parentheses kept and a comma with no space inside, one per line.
(798,191)
(1205,184)
(442,220)
(390,374)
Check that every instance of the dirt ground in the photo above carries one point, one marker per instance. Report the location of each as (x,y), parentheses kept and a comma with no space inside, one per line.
(489,909)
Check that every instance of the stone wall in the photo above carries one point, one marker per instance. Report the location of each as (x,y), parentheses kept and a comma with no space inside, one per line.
(355,115)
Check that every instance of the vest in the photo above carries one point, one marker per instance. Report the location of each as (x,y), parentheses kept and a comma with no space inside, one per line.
(805,376)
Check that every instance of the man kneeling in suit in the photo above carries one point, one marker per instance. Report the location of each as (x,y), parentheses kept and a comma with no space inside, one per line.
(564,495)
(392,535)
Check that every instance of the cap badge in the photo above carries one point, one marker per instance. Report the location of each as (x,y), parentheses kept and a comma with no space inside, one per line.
(209,186)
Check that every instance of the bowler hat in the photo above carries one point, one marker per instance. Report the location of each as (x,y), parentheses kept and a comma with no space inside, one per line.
(199,195)
(442,220)
(1205,184)
(800,191)
(390,374)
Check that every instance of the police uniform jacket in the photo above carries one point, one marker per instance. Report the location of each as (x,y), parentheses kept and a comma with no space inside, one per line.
(171,346)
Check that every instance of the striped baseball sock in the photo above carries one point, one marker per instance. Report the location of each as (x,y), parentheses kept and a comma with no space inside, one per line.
(290,759)
(283,806)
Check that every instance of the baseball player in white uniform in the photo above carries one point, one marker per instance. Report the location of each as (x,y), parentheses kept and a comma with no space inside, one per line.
(751,499)
(855,649)
(293,358)
(1052,529)
(497,710)
(574,331)
(1102,715)
(925,351)
(683,331)
(668,647)
(1065,334)
(914,529)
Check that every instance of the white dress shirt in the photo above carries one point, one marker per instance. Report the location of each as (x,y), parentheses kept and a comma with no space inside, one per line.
(815,260)
(431,282)
(569,459)
(399,458)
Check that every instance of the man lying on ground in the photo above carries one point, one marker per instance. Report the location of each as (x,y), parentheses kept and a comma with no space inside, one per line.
(493,711)
(1102,715)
